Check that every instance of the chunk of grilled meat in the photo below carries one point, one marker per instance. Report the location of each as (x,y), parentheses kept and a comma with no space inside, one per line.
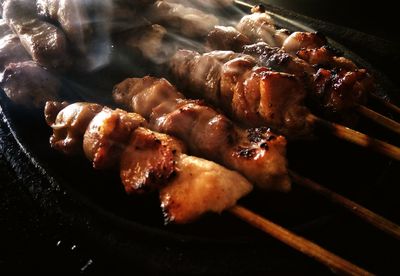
(188,21)
(258,154)
(278,60)
(303,40)
(200,186)
(108,134)
(45,43)
(226,38)
(69,125)
(11,49)
(260,27)
(29,84)
(189,186)
(253,95)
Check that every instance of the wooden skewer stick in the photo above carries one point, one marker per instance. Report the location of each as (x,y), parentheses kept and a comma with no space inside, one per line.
(301,244)
(244,4)
(360,211)
(379,118)
(389,105)
(356,137)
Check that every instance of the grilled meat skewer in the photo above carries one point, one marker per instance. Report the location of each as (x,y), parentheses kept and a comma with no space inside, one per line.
(189,186)
(253,95)
(257,153)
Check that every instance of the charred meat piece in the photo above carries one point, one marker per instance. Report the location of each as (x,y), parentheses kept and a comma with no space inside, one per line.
(209,134)
(45,43)
(253,95)
(189,186)
(11,49)
(29,84)
(107,136)
(278,60)
(338,92)
(188,21)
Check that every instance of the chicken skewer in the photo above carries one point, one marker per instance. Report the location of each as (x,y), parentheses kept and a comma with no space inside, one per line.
(147,160)
(259,154)
(196,124)
(313,49)
(108,136)
(256,96)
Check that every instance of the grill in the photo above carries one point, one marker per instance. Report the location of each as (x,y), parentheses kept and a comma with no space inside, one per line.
(61,215)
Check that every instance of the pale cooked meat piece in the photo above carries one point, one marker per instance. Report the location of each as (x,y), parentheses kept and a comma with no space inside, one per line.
(188,21)
(199,187)
(29,84)
(70,125)
(258,27)
(226,38)
(303,40)
(45,43)
(149,161)
(209,134)
(107,136)
(11,49)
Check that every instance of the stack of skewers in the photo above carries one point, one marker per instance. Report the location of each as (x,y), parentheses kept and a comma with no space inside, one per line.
(242,93)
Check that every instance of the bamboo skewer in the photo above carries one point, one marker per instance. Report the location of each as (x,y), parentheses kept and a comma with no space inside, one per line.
(336,263)
(387,104)
(379,118)
(356,137)
(360,211)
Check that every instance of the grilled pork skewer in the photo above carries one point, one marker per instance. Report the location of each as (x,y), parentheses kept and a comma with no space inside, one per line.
(257,153)
(189,186)
(148,160)
(256,96)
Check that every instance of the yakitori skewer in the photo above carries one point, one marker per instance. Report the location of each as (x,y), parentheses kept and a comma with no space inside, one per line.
(151,161)
(356,137)
(379,118)
(256,96)
(322,57)
(360,211)
(336,263)
(205,131)
(386,103)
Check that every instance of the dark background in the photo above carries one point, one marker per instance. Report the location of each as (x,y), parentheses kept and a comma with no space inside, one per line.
(28,240)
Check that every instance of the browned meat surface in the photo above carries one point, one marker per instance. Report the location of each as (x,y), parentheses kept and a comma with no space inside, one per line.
(278,60)
(253,95)
(11,49)
(107,136)
(226,38)
(303,40)
(70,125)
(340,91)
(189,186)
(188,21)
(199,187)
(148,162)
(261,158)
(46,43)
(29,84)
